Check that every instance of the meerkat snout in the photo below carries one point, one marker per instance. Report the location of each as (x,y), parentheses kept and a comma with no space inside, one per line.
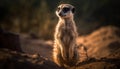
(65,11)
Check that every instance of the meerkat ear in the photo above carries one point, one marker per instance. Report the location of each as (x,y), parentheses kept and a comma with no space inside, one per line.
(73,10)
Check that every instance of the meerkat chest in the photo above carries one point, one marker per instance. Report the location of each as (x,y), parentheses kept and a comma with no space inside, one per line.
(65,33)
(66,29)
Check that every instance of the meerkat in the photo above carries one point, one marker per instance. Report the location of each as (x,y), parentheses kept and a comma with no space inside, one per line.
(65,48)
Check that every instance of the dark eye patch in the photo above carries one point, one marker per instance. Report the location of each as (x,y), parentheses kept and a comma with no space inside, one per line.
(66,9)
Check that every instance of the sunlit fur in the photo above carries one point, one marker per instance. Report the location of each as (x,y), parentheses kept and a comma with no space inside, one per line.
(64,51)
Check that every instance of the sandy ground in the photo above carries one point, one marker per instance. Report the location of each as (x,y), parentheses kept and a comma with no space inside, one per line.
(103,48)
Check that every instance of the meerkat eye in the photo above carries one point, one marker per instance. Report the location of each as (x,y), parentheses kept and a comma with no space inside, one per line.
(66,9)
(58,8)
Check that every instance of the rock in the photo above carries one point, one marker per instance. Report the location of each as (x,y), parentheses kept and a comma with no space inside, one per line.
(10,40)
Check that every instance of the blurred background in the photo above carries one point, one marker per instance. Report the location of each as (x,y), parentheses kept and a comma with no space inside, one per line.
(27,30)
(37,17)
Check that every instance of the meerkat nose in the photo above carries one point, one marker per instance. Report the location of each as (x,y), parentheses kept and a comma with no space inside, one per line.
(60,14)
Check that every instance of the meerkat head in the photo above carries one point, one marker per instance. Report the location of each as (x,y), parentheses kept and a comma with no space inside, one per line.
(65,11)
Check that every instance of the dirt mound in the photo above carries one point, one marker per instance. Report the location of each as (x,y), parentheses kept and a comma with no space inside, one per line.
(16,60)
(99,64)
(103,49)
(102,42)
